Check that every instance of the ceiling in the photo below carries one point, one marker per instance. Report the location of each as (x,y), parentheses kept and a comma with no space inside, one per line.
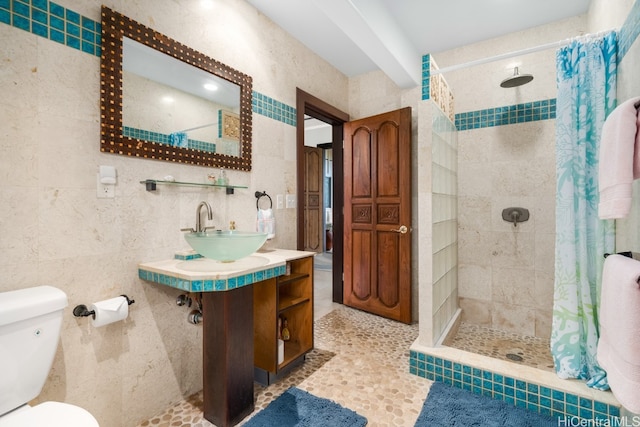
(359,36)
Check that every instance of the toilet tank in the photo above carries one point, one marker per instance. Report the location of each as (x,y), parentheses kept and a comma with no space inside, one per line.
(30,322)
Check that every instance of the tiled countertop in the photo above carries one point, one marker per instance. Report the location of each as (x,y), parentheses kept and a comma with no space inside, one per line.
(205,275)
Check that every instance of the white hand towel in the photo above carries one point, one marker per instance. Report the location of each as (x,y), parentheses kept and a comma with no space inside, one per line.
(619,162)
(266,223)
(619,344)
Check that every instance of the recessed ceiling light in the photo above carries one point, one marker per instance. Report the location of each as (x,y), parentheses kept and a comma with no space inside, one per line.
(211,86)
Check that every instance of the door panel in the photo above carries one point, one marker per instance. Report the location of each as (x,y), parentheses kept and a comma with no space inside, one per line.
(388,163)
(388,249)
(361,177)
(313,242)
(377,257)
(362,265)
(313,199)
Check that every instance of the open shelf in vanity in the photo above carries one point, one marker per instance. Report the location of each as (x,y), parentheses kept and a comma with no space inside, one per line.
(287,297)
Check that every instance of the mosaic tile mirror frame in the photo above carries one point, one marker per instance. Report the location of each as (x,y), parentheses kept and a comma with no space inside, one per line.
(118,139)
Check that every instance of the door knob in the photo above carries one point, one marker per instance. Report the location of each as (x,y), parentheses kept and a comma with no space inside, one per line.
(402,230)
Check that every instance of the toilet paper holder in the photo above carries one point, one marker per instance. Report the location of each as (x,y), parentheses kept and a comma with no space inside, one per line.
(82,310)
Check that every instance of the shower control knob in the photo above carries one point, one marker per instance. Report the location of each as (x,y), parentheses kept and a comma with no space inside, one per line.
(515,215)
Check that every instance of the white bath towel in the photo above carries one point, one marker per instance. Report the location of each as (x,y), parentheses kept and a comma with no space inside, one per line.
(266,223)
(619,344)
(619,162)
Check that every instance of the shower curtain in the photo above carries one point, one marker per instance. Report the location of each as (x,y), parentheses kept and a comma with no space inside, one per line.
(586,77)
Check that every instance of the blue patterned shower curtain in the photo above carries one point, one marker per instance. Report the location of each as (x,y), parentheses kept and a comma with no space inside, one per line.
(586,76)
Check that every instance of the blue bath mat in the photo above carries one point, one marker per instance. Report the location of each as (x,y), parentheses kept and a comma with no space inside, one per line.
(452,406)
(298,408)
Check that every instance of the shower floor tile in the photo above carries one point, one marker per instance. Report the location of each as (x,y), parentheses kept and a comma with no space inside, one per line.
(522,349)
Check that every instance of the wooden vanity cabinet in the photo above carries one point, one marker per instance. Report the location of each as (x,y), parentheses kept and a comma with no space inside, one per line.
(291,297)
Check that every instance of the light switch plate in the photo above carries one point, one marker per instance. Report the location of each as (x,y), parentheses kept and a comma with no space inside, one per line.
(279,201)
(291,201)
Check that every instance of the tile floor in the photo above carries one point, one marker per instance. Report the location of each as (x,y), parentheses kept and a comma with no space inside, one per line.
(360,361)
(525,350)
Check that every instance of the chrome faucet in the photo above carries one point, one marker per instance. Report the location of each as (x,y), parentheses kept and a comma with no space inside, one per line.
(202,204)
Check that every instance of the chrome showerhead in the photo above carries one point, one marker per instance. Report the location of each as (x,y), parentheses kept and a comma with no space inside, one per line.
(516,80)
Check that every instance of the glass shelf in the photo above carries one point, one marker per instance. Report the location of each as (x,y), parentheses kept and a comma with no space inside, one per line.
(152,183)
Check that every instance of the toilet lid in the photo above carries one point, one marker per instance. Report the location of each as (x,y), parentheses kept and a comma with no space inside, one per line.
(50,414)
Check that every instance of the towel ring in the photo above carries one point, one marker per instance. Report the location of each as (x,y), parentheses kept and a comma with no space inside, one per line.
(260,195)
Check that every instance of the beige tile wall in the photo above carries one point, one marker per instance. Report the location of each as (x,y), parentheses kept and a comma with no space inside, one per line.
(56,232)
(506,273)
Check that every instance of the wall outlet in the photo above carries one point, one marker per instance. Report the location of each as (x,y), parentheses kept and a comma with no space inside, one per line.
(291,201)
(105,191)
(279,201)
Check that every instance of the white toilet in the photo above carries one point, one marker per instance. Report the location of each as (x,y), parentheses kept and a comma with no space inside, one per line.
(30,323)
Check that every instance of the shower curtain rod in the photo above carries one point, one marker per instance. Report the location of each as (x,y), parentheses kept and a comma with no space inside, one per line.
(502,56)
(517,53)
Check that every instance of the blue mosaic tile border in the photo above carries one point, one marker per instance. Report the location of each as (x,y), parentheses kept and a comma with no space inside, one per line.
(220,123)
(187,256)
(52,21)
(528,395)
(426,77)
(201,145)
(630,31)
(532,111)
(211,285)
(269,107)
(507,115)
(261,104)
(131,132)
(163,138)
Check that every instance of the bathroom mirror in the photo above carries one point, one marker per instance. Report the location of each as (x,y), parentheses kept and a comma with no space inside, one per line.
(154,103)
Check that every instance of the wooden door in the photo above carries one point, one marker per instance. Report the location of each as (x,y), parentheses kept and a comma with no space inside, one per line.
(377,214)
(313,199)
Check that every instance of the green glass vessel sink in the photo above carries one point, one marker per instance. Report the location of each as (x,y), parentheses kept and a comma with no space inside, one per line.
(225,246)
